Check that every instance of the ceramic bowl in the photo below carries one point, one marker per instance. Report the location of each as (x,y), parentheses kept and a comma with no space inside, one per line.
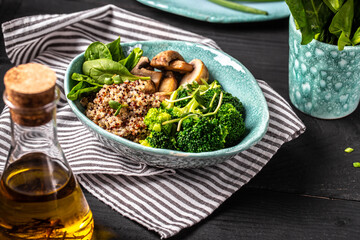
(323,81)
(231,74)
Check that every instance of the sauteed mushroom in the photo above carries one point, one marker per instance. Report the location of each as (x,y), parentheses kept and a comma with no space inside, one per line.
(171,61)
(169,83)
(143,68)
(200,72)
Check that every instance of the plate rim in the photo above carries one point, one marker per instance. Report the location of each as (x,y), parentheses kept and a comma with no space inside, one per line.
(201,17)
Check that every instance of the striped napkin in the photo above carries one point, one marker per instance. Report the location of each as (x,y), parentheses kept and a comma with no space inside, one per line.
(162,200)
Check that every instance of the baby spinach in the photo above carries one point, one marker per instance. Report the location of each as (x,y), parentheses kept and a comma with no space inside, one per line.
(102,70)
(341,24)
(329,21)
(117,106)
(105,64)
(97,50)
(81,88)
(116,50)
(133,59)
(83,78)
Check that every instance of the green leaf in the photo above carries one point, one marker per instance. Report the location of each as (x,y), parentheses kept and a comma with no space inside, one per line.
(310,16)
(133,59)
(102,70)
(341,24)
(116,50)
(81,77)
(349,150)
(81,88)
(97,50)
(114,104)
(334,5)
(356,38)
(356,164)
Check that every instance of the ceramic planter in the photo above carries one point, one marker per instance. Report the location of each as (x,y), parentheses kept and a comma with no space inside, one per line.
(323,81)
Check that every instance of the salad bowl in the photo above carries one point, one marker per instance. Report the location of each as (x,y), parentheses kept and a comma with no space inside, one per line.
(232,76)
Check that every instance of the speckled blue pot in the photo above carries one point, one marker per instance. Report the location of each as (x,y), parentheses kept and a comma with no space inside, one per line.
(323,81)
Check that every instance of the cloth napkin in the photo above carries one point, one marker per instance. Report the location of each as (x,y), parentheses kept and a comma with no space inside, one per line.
(162,200)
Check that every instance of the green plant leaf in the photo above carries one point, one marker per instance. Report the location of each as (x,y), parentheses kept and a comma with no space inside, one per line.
(97,50)
(310,16)
(133,59)
(356,38)
(341,24)
(103,71)
(114,104)
(81,88)
(334,5)
(81,77)
(116,50)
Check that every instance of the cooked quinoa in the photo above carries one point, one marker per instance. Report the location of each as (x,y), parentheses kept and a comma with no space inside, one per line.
(129,122)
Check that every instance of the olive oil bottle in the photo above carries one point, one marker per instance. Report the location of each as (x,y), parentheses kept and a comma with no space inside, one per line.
(40,197)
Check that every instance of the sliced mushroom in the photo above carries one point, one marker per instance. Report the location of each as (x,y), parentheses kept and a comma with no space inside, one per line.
(162,95)
(200,72)
(143,68)
(172,61)
(169,83)
(149,87)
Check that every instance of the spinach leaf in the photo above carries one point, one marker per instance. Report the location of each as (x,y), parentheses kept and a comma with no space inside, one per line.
(310,16)
(133,59)
(117,106)
(97,50)
(116,50)
(334,5)
(81,77)
(356,38)
(81,88)
(341,24)
(103,71)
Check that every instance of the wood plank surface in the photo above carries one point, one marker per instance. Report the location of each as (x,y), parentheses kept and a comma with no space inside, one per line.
(309,190)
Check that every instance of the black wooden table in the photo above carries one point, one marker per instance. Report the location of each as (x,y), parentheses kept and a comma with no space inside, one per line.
(309,190)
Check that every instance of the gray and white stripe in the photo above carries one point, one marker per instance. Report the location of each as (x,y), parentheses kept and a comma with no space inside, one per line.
(163,200)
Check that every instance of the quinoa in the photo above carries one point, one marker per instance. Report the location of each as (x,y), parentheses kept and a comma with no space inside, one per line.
(129,123)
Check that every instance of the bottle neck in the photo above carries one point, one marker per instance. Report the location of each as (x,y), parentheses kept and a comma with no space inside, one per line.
(40,138)
(33,130)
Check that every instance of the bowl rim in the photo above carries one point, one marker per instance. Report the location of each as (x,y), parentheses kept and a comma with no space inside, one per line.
(231,151)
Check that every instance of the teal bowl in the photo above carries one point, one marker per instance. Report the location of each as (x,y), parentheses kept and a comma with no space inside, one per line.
(231,74)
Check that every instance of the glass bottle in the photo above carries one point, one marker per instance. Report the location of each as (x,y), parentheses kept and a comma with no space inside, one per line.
(39,196)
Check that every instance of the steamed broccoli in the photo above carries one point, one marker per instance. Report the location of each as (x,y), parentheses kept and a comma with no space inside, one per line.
(201,135)
(159,140)
(227,98)
(190,107)
(232,122)
(154,119)
(207,119)
(183,92)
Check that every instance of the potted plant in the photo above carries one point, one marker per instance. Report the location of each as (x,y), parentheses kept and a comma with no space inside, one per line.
(324,57)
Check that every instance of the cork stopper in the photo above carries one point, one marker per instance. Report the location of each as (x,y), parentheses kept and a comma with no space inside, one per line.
(29,87)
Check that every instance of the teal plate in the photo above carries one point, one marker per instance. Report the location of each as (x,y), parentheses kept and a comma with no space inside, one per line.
(204,10)
(231,74)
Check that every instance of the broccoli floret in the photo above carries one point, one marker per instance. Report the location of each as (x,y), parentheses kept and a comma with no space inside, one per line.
(191,107)
(183,92)
(232,122)
(154,119)
(227,98)
(159,140)
(203,136)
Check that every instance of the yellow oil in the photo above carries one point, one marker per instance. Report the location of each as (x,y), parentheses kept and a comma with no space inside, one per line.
(40,199)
